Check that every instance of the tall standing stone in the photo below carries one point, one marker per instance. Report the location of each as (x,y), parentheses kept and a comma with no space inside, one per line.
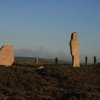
(6,55)
(74,49)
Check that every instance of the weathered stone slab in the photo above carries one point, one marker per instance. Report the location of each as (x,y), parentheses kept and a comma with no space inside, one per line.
(6,55)
(74,49)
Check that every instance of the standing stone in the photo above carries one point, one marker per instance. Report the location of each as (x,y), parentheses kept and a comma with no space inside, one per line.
(56,60)
(86,61)
(6,55)
(95,60)
(74,49)
(37,60)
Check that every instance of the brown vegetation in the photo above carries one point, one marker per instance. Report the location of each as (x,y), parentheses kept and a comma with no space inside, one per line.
(54,82)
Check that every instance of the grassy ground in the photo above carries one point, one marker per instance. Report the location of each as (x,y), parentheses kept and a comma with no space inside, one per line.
(53,82)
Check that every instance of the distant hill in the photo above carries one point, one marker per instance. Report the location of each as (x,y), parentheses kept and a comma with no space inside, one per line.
(44,60)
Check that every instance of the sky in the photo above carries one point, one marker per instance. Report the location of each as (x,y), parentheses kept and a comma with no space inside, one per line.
(43,27)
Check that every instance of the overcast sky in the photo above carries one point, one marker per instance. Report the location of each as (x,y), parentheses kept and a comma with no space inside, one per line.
(46,25)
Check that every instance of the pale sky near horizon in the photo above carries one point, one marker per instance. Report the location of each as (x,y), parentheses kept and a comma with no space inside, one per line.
(46,26)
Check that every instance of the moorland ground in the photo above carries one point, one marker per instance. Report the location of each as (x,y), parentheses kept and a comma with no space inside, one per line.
(53,82)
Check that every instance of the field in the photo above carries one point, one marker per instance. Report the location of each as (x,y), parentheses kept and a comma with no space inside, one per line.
(24,81)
